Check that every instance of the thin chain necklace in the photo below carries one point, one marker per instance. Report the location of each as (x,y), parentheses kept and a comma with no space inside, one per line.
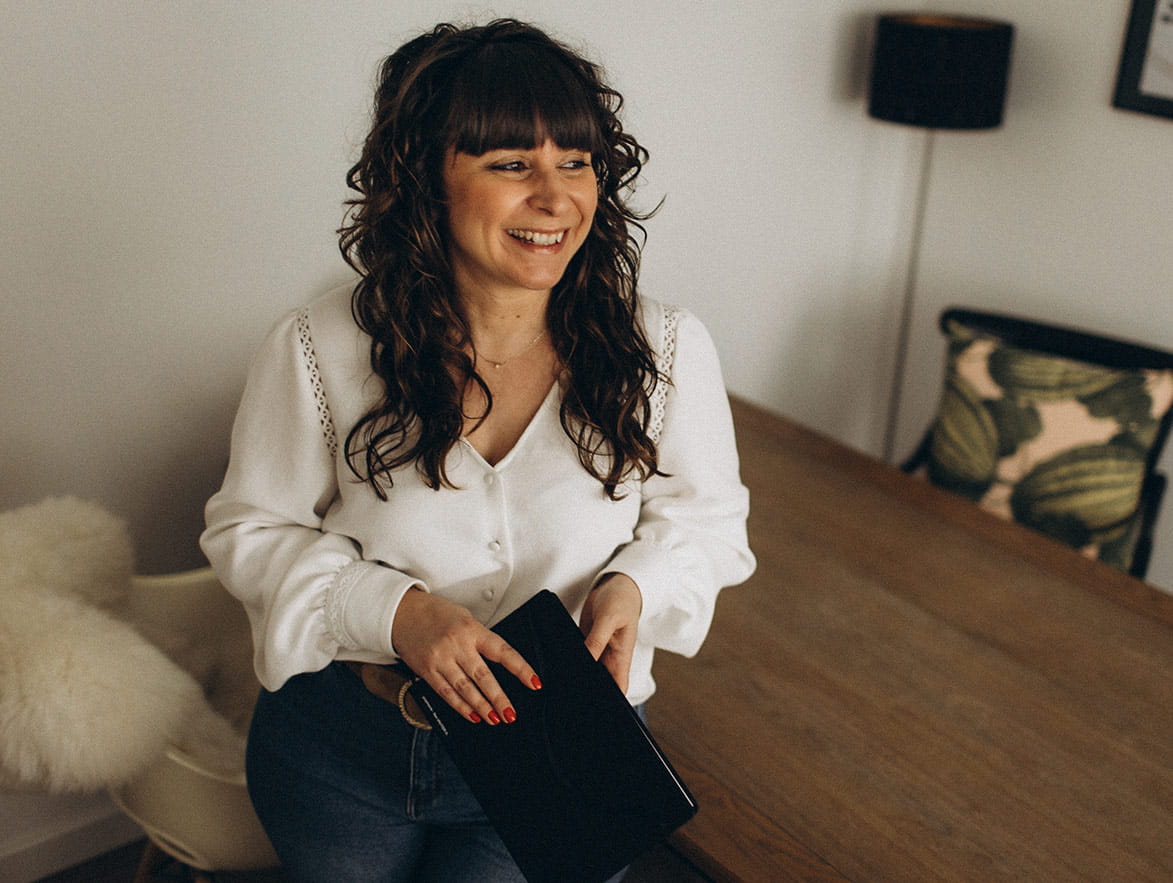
(517,355)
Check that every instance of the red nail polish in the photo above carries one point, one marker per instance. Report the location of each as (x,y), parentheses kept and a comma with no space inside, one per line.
(474,717)
(510,715)
(537,682)
(493,719)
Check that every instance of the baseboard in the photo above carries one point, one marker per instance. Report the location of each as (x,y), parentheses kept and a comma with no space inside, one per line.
(41,834)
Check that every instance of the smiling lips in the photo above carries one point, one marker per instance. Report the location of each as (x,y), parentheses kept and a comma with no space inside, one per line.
(536,238)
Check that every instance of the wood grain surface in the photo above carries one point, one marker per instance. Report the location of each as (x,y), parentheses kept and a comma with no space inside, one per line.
(911,689)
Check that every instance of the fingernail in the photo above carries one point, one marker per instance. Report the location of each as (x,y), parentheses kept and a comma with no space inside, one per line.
(537,682)
(474,717)
(510,715)
(493,719)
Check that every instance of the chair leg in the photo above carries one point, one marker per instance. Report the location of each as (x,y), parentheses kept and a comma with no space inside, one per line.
(153,858)
(156,866)
(920,455)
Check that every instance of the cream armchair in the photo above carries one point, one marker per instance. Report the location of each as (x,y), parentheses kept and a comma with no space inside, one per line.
(191,799)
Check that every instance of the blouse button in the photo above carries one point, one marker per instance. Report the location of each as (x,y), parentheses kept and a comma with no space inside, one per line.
(487,594)
(490,479)
(494,546)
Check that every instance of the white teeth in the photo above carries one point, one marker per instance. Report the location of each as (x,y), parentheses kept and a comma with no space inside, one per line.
(537,238)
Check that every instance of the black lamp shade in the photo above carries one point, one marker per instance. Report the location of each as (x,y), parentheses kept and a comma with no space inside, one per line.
(940,71)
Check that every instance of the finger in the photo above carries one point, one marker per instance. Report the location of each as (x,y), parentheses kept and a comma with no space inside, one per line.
(447,691)
(614,645)
(598,638)
(500,651)
(617,661)
(477,685)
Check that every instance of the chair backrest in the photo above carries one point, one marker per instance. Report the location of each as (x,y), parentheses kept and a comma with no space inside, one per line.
(1055,427)
(1059,340)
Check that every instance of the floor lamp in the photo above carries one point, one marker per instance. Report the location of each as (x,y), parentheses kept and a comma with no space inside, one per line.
(934,72)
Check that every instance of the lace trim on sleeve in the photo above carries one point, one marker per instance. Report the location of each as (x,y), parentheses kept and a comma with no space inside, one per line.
(305,339)
(664,360)
(344,581)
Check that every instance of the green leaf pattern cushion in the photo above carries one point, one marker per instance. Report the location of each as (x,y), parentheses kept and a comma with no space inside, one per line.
(1056,444)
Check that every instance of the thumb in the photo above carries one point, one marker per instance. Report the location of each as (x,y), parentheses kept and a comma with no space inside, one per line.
(597,639)
(617,661)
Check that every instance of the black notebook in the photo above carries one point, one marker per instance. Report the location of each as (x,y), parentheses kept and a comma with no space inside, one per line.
(576,787)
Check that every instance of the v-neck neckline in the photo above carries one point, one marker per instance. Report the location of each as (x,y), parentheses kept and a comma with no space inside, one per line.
(546,404)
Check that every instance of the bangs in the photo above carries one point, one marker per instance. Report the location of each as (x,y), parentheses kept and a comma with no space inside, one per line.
(516,95)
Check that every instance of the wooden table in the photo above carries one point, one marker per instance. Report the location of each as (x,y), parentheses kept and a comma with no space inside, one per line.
(910,689)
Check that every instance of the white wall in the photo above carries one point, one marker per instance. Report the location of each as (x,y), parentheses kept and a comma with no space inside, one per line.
(173,174)
(1063,213)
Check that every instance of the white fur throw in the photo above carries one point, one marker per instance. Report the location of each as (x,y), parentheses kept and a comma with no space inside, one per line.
(69,547)
(85,701)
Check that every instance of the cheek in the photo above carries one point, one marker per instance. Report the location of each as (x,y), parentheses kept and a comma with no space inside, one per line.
(465,214)
(588,204)
(459,201)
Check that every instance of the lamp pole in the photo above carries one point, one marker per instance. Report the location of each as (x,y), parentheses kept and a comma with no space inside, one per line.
(907,301)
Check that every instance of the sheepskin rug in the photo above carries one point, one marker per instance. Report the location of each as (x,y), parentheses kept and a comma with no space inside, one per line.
(69,547)
(86,702)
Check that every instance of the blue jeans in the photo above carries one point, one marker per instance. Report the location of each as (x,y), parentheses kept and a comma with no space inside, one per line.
(349,792)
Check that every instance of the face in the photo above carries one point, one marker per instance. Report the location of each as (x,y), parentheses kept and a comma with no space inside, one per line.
(517,217)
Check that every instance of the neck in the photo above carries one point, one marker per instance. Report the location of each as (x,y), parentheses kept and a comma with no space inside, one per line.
(502,323)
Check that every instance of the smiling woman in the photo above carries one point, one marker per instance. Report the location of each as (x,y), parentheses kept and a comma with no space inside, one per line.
(473,96)
(516,218)
(490,410)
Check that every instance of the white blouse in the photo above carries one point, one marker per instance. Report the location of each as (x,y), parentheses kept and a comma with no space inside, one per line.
(321,563)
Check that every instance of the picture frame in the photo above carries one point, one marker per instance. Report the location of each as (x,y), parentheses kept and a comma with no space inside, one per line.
(1145,79)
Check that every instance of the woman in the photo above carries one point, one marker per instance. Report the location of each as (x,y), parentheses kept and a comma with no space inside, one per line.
(491,410)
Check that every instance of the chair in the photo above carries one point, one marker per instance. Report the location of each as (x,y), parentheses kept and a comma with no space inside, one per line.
(192,800)
(1055,428)
(141,686)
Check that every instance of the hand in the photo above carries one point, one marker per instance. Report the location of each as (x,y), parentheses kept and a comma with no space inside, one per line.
(442,643)
(610,619)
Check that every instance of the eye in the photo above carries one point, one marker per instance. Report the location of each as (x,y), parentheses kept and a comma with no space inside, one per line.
(515,165)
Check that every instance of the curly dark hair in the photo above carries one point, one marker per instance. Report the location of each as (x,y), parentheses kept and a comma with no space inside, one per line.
(501,85)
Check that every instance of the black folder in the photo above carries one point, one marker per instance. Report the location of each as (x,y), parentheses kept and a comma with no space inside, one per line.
(576,787)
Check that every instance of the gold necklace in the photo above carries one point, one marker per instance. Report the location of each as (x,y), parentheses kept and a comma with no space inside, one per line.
(516,355)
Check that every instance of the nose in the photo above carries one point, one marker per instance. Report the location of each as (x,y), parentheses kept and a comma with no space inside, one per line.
(550,192)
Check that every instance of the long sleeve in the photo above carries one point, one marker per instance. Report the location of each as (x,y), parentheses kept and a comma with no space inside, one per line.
(690,540)
(308,592)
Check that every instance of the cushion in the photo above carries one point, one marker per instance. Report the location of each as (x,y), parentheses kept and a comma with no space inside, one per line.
(1060,445)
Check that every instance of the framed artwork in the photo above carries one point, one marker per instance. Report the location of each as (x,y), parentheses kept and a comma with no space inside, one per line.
(1145,81)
